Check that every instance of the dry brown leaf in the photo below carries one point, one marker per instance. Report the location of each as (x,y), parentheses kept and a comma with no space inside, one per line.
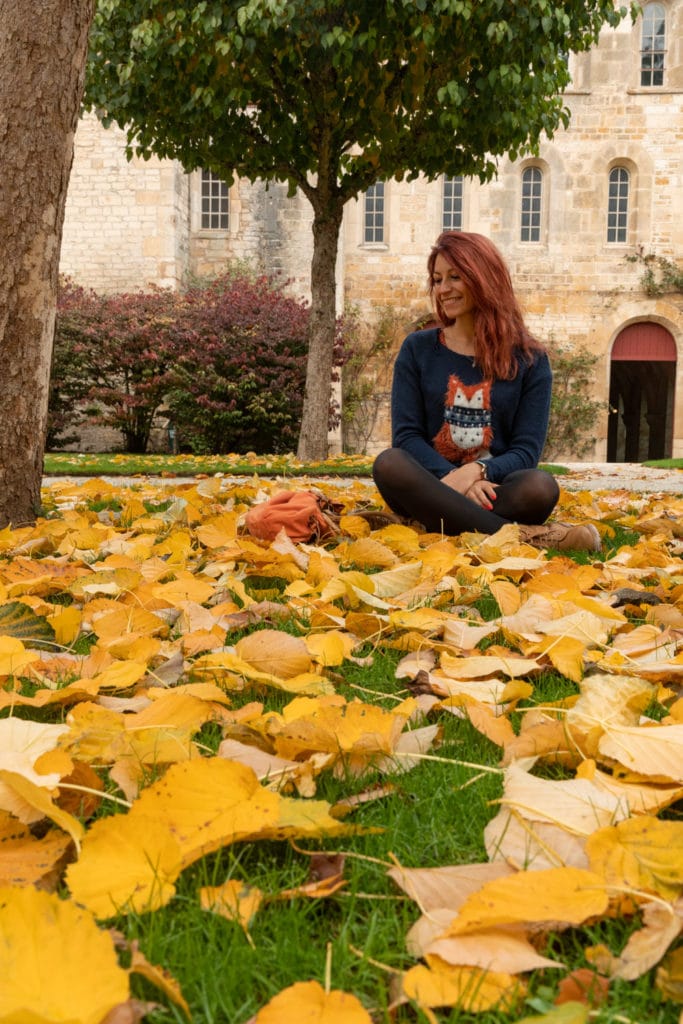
(645,947)
(530,845)
(583,986)
(449,886)
(541,736)
(655,750)
(275,653)
(509,664)
(497,949)
(640,797)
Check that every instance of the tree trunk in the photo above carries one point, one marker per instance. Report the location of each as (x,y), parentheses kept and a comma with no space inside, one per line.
(316,408)
(43,49)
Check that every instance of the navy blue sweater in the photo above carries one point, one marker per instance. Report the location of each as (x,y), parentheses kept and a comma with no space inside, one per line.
(445,414)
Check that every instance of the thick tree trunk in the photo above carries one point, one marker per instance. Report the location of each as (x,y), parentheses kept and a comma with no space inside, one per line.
(43,50)
(316,409)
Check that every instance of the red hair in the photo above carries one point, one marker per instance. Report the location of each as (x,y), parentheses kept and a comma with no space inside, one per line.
(499,329)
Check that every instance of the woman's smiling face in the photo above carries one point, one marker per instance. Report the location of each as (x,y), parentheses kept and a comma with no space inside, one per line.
(449,290)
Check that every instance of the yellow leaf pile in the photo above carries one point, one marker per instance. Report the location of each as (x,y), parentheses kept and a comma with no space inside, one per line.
(118,613)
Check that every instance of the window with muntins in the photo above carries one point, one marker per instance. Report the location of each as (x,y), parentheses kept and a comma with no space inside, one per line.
(617,205)
(451,209)
(652,45)
(373,230)
(215,203)
(532,196)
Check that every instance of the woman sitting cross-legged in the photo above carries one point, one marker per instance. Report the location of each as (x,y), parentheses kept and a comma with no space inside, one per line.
(470,406)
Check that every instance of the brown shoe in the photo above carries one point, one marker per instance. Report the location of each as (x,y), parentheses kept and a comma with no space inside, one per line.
(563,536)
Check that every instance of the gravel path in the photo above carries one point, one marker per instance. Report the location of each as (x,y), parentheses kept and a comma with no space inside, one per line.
(583,476)
(618,476)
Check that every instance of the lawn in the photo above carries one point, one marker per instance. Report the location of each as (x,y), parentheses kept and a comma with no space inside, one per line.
(390,777)
(120,464)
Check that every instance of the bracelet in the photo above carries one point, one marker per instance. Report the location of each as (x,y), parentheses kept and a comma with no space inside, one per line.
(482,463)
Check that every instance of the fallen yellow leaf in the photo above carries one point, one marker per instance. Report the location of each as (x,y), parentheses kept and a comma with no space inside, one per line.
(307,1002)
(640,853)
(63,961)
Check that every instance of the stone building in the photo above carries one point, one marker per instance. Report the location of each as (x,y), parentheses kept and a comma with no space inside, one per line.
(569,221)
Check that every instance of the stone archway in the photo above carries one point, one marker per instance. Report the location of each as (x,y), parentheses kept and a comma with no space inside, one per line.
(641,394)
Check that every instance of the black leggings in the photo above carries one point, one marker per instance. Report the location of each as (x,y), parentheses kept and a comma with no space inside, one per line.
(525,496)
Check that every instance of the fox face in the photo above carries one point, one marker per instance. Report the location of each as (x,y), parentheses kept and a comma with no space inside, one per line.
(466,430)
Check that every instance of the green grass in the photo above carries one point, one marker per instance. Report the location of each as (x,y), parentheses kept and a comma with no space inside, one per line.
(435,817)
(119,464)
(665,463)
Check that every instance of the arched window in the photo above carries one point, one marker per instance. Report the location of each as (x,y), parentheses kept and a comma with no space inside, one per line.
(532,196)
(215,198)
(652,45)
(451,206)
(373,230)
(617,205)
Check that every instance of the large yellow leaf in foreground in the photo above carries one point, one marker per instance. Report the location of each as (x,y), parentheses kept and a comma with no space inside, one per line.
(57,965)
(127,862)
(307,1002)
(642,853)
(558,895)
(131,861)
(208,803)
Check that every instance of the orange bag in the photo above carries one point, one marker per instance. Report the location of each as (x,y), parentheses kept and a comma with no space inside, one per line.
(303,515)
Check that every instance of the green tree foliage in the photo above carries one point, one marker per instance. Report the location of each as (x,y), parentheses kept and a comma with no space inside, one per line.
(331,97)
(573,410)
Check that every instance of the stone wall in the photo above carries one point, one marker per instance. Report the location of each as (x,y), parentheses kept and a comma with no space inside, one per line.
(126,224)
(573,285)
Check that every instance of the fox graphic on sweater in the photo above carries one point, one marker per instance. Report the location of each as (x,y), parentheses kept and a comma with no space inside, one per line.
(466,432)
